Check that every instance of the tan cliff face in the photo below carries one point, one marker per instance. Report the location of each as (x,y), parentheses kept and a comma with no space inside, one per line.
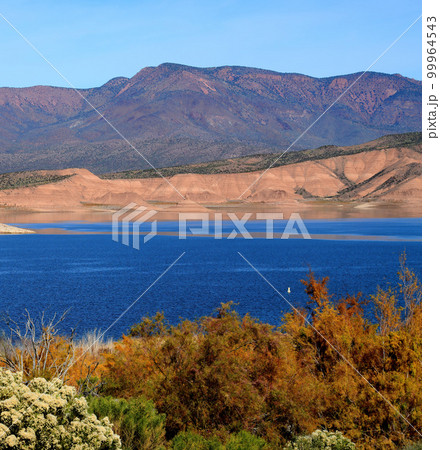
(388,175)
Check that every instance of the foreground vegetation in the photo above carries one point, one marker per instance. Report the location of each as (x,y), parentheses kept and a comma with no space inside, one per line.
(46,414)
(232,382)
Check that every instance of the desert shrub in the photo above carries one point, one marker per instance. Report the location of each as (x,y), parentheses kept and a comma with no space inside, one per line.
(322,439)
(48,415)
(136,421)
(388,354)
(34,347)
(413,446)
(223,373)
(189,440)
(227,373)
(156,326)
(245,441)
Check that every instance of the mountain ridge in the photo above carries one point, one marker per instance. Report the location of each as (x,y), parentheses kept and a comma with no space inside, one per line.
(177,114)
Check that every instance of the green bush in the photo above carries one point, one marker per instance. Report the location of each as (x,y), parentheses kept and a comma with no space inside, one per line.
(136,420)
(243,440)
(188,440)
(322,439)
(48,415)
(413,446)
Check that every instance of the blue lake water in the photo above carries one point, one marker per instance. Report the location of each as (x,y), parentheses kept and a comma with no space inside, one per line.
(98,279)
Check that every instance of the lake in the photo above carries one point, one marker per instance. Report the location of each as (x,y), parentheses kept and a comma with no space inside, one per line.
(98,278)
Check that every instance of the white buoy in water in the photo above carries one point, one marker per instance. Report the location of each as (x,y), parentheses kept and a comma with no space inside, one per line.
(288,290)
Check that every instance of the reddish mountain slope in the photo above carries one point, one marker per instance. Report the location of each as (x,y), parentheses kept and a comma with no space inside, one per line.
(178,114)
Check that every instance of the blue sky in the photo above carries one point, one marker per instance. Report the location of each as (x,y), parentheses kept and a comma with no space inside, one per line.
(93,41)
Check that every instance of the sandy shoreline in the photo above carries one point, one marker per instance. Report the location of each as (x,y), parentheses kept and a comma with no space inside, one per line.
(8,229)
(254,235)
(307,210)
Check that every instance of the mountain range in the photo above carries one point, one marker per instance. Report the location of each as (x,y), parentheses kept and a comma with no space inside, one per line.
(175,114)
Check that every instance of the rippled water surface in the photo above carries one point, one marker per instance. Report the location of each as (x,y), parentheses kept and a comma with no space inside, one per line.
(98,278)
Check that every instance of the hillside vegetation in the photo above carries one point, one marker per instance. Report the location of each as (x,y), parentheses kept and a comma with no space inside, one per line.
(16,180)
(254,163)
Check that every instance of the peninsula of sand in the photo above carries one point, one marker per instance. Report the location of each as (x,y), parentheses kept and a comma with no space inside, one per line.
(9,229)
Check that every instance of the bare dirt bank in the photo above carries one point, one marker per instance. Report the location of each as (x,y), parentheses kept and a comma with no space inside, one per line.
(379,183)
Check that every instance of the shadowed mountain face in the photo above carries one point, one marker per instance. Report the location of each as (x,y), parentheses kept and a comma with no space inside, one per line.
(176,114)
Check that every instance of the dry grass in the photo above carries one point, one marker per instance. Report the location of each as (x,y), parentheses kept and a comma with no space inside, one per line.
(94,343)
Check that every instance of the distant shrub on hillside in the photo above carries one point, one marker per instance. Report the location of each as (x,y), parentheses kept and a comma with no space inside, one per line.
(48,415)
(17,180)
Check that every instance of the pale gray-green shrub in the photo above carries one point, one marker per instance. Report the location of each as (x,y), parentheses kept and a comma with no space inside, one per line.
(45,414)
(322,439)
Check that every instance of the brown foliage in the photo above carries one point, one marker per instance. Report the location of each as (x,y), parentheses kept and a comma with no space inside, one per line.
(332,369)
(226,373)
(353,360)
(222,373)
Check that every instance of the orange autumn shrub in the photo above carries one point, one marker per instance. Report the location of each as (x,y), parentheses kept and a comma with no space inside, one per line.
(328,366)
(221,373)
(369,374)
